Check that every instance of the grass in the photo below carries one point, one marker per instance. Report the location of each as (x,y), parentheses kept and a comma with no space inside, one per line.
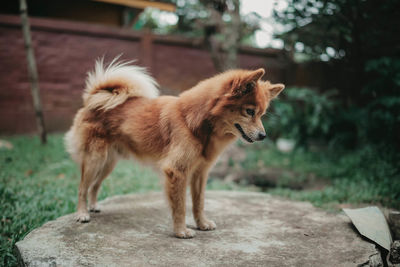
(365,175)
(39,183)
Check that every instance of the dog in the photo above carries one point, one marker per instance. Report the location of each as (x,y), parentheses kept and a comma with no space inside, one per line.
(122,115)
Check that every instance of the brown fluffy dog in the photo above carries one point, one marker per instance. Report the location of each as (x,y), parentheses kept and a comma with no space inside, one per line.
(182,136)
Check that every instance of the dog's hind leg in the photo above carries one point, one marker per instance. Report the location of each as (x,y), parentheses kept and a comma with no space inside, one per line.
(92,168)
(87,176)
(94,188)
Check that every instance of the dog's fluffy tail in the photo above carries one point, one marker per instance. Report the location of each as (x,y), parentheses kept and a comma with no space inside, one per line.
(110,86)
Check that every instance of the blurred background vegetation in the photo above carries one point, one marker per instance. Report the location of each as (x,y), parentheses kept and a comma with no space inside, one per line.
(346,133)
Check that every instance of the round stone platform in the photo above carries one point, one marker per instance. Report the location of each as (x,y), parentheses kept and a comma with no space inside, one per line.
(253,229)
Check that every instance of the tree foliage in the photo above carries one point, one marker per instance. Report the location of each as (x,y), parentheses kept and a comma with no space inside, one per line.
(355,29)
(362,39)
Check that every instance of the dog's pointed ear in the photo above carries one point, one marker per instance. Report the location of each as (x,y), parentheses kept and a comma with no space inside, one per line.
(246,85)
(275,89)
(256,75)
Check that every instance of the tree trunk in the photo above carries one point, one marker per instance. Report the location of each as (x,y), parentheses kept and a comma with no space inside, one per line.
(223,37)
(33,75)
(231,33)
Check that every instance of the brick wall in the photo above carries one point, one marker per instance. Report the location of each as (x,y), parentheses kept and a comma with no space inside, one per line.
(65,51)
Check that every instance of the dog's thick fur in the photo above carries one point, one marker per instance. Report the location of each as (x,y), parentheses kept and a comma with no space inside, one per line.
(182,136)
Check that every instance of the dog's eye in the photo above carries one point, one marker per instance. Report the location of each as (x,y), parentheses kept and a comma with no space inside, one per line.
(250,112)
(249,87)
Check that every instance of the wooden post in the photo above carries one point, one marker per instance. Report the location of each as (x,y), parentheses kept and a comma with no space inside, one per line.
(33,75)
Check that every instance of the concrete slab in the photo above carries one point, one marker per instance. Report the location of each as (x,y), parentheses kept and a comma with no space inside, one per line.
(253,229)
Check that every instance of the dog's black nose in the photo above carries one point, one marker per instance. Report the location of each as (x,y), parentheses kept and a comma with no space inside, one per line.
(261,136)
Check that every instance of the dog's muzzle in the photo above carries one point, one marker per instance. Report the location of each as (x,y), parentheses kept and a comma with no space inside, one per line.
(244,135)
(261,136)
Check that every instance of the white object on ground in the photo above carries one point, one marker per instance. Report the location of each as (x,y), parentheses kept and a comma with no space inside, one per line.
(285,145)
(371,223)
(5,144)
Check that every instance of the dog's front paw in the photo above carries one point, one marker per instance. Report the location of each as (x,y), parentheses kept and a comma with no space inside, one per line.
(186,233)
(82,217)
(94,208)
(206,225)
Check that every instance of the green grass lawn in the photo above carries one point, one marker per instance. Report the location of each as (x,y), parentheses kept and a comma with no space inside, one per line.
(39,183)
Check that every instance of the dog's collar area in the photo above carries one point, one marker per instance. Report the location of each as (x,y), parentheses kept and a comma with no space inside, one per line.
(245,137)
